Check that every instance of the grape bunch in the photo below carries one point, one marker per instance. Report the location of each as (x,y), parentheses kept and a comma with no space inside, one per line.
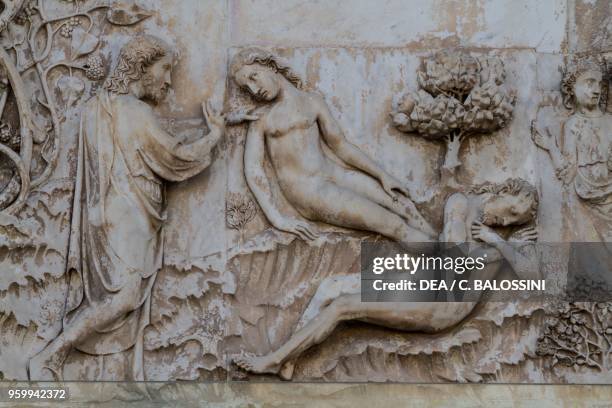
(26,13)
(69,26)
(8,137)
(95,69)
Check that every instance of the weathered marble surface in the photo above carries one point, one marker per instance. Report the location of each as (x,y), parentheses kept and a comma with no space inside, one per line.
(231,282)
(331,395)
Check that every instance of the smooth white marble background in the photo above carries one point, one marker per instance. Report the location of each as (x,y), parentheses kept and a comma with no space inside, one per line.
(360,55)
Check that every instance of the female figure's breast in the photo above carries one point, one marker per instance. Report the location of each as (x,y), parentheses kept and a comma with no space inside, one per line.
(294,145)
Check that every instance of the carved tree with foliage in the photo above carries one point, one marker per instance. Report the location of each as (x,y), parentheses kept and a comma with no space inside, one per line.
(30,116)
(459,96)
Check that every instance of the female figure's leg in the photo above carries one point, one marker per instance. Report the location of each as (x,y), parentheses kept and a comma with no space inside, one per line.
(336,205)
(365,185)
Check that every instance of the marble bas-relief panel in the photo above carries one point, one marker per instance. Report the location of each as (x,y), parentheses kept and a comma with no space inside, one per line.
(363,23)
(185,187)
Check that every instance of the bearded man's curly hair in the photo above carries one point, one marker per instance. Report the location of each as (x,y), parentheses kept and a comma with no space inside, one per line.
(135,57)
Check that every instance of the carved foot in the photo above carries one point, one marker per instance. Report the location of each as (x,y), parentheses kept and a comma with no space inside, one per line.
(41,368)
(286,371)
(257,364)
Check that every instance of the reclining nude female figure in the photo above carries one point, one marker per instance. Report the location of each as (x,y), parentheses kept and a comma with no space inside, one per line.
(290,125)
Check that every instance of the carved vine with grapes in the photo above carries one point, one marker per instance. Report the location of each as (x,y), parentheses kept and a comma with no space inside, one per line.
(41,39)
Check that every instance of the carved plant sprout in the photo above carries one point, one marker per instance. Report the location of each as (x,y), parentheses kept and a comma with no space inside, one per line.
(459,96)
(29,39)
(239,211)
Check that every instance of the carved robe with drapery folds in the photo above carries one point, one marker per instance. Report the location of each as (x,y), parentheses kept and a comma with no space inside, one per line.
(589,140)
(117,224)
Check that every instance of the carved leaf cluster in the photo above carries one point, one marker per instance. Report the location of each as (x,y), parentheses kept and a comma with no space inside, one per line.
(430,117)
(24,25)
(578,334)
(239,211)
(124,15)
(459,93)
(11,190)
(488,108)
(449,73)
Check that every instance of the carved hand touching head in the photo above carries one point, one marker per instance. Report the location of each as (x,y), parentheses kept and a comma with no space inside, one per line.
(513,202)
(261,74)
(582,85)
(144,69)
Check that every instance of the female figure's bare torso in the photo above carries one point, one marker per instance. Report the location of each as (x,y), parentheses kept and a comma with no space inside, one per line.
(294,145)
(290,128)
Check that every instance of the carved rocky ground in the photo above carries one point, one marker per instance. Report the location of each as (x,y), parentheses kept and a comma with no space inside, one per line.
(33,285)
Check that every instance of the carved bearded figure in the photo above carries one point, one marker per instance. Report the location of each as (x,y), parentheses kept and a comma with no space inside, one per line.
(117,233)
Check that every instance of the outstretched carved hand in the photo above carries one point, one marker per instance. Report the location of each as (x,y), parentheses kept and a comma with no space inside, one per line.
(240,116)
(302,229)
(481,232)
(542,137)
(526,235)
(215,120)
(391,185)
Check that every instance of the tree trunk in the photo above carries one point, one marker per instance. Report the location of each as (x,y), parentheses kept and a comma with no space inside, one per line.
(451,160)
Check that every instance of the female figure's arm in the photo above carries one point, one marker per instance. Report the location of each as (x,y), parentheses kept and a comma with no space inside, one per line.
(257,180)
(349,153)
